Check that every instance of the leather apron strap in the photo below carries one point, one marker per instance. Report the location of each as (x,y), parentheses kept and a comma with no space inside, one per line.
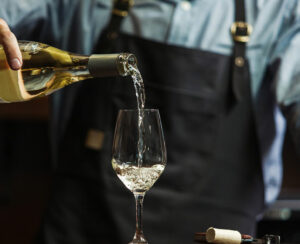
(106,42)
(240,31)
(100,112)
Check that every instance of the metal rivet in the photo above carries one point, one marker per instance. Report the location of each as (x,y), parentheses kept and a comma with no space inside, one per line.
(239,61)
(186,5)
(112,35)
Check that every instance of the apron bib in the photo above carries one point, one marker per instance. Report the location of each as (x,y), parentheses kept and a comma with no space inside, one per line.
(213,175)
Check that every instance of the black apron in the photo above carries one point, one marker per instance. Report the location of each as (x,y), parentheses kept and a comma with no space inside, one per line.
(213,174)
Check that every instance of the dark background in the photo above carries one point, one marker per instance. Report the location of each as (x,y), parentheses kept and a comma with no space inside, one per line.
(25,178)
(25,170)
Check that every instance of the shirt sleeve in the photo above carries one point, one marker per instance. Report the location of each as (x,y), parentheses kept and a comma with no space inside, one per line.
(72,25)
(287,77)
(25,17)
(286,50)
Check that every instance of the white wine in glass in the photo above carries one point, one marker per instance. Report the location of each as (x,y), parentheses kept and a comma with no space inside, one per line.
(139,156)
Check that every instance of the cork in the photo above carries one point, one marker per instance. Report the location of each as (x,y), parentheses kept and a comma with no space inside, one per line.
(214,235)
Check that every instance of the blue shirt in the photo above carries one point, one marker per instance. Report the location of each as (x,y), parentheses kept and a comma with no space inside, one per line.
(75,25)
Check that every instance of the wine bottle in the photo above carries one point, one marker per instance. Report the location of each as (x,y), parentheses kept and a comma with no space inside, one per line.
(46,69)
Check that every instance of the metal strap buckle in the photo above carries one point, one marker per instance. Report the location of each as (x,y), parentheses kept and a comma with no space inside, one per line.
(121,7)
(241,31)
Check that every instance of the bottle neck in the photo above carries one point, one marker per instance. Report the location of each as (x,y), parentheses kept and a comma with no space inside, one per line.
(104,65)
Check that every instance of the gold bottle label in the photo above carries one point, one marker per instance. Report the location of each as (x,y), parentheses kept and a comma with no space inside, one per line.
(45,69)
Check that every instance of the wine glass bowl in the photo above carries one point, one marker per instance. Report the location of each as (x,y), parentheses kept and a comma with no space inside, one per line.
(138,155)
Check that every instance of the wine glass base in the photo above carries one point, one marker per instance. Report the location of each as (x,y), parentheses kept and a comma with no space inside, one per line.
(138,242)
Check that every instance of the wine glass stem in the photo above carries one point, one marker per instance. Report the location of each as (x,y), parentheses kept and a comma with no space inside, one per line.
(139,235)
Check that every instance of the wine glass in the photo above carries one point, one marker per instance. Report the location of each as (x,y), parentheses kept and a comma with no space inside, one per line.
(139,156)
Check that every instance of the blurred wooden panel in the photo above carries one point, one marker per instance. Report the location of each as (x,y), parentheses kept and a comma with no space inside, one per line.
(37,109)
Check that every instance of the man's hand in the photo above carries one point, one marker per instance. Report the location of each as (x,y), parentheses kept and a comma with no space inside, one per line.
(10,44)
